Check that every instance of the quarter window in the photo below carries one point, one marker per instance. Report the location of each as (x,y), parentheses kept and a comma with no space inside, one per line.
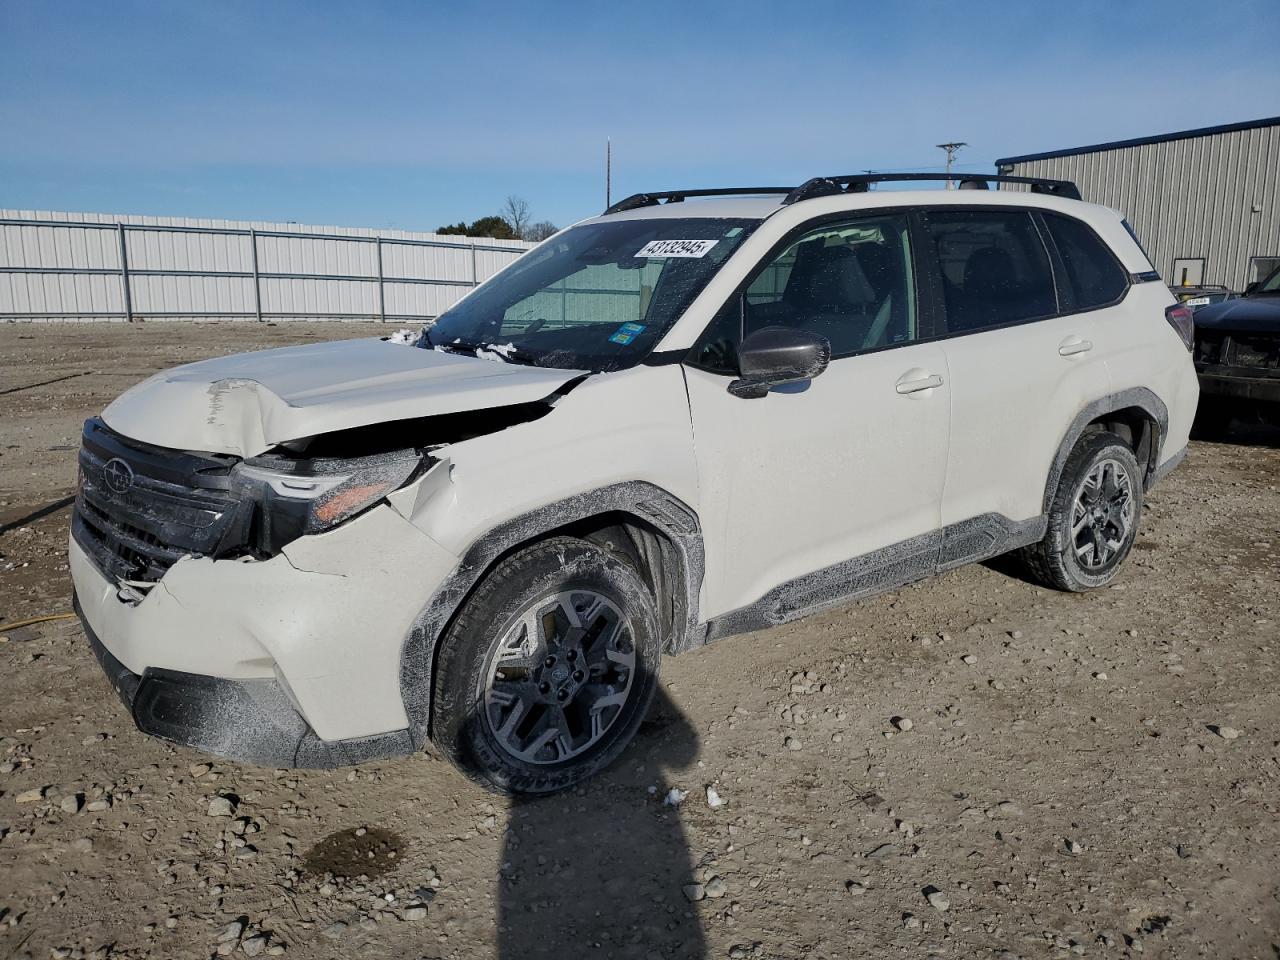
(995,269)
(1094,278)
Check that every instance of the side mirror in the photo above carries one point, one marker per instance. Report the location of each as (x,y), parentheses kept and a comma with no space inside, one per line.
(1253,287)
(777,355)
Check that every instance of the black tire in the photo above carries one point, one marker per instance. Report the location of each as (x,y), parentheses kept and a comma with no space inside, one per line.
(463,721)
(1213,419)
(1055,561)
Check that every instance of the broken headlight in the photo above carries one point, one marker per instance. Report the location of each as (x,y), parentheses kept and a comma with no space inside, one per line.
(298,497)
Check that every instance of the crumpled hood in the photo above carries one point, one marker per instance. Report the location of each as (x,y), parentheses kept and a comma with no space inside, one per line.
(247,403)
(1246,314)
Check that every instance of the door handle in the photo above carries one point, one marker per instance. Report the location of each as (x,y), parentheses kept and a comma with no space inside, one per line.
(1074,345)
(918,384)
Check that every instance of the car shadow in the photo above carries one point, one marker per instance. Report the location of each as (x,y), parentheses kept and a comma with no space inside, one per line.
(1011,565)
(600,870)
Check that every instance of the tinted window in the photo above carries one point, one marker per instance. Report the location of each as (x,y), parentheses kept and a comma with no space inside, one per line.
(995,269)
(850,282)
(1094,278)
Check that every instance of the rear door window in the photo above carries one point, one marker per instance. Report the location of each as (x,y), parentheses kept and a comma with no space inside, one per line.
(995,268)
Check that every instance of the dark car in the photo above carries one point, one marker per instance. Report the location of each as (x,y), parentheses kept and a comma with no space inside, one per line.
(1202,295)
(1237,356)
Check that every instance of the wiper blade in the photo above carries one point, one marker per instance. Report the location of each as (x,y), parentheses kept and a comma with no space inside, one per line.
(461,345)
(511,353)
(506,351)
(456,345)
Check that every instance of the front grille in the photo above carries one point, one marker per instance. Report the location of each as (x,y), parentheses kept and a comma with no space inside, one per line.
(1258,350)
(1255,350)
(140,508)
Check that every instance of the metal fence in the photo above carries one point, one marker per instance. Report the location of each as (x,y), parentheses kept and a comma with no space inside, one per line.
(73,267)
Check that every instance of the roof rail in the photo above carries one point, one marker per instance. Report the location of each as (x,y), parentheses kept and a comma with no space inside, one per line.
(637,200)
(861,182)
(853,183)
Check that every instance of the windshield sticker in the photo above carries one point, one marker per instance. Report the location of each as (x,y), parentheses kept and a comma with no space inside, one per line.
(629,331)
(676,248)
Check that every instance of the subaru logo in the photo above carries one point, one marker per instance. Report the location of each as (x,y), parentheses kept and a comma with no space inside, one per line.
(118,474)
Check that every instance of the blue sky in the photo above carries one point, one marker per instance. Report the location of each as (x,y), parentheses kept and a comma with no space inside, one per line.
(411,115)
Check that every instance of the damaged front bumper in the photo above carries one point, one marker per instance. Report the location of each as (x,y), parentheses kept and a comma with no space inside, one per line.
(291,661)
(249,720)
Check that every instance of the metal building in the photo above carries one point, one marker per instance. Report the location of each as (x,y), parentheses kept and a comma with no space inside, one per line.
(86,266)
(1204,203)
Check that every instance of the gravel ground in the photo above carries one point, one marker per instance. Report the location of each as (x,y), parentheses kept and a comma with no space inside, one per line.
(970,767)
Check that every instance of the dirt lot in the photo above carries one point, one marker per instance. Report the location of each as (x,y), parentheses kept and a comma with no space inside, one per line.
(1065,791)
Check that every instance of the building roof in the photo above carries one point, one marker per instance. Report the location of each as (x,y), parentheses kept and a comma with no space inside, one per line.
(1141,141)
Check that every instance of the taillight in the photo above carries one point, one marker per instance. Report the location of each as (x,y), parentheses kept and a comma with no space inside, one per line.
(1180,318)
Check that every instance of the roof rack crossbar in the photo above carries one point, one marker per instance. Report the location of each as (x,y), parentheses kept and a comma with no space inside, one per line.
(637,200)
(860,182)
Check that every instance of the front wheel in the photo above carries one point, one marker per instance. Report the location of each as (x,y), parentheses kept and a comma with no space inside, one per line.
(1093,517)
(547,671)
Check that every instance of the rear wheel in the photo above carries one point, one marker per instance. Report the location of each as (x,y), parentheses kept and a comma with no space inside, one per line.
(547,671)
(1093,517)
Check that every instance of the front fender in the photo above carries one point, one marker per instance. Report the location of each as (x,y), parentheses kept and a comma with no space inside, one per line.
(642,500)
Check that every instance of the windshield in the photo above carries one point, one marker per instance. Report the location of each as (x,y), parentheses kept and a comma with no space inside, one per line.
(597,297)
(1271,284)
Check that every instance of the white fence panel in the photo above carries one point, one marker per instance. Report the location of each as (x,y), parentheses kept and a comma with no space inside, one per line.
(172,297)
(86,266)
(405,300)
(452,264)
(320,298)
(45,295)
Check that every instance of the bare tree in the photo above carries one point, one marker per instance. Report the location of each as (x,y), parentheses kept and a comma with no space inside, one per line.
(516,213)
(537,232)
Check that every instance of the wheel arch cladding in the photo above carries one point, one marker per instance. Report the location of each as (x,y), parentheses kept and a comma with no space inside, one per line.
(1142,419)
(673,550)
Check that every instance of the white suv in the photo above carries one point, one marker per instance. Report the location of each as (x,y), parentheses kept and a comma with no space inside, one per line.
(665,425)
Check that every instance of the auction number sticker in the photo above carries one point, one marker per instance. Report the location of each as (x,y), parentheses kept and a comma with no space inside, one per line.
(676,248)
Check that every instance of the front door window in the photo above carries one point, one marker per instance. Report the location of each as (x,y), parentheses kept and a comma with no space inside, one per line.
(850,282)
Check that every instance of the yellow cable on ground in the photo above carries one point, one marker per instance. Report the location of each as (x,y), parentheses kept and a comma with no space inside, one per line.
(44,619)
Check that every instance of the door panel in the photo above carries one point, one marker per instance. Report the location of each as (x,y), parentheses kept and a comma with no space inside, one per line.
(1020,371)
(1014,392)
(816,474)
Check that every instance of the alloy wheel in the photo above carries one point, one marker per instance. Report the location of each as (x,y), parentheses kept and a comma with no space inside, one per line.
(559,677)
(1103,514)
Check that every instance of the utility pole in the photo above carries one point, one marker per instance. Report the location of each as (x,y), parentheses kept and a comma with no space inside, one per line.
(608,173)
(952,149)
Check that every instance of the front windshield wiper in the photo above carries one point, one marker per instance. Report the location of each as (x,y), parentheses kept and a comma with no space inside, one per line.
(507,351)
